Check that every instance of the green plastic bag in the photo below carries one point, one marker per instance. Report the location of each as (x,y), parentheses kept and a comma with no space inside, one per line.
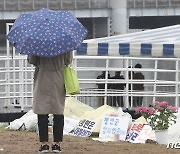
(71,81)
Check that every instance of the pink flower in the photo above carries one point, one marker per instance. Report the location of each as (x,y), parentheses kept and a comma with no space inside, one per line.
(145,109)
(163,104)
(138,110)
(160,108)
(152,111)
(174,109)
(160,111)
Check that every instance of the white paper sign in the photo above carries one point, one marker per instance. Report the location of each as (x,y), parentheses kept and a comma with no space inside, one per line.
(115,127)
(84,128)
(69,124)
(134,132)
(146,133)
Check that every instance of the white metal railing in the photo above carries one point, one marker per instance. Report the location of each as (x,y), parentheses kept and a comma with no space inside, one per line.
(16,84)
(155,89)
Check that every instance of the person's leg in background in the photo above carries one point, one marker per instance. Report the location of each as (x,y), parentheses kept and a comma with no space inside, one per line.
(100,101)
(114,99)
(109,100)
(135,99)
(120,101)
(43,132)
(130,102)
(140,101)
(58,125)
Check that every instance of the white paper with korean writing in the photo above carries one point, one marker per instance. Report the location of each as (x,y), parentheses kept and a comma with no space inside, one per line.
(69,124)
(134,132)
(113,127)
(145,133)
(84,128)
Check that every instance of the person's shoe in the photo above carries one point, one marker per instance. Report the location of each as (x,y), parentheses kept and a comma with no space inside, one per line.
(56,148)
(44,148)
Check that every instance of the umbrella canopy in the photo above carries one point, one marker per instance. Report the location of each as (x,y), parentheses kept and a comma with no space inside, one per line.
(46,33)
(160,42)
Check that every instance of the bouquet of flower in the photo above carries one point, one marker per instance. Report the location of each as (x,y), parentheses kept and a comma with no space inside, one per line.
(160,116)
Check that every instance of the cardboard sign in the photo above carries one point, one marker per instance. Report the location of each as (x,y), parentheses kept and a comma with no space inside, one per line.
(84,128)
(114,127)
(134,132)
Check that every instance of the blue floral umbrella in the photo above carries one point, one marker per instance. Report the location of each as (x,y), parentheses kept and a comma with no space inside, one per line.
(46,33)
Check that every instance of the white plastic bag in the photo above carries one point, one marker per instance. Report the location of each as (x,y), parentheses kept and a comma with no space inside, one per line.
(173,131)
(26,122)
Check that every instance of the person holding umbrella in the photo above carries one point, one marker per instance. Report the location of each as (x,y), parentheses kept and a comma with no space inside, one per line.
(49,96)
(48,37)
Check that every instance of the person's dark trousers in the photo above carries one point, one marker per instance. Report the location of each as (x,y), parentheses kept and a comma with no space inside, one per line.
(113,101)
(58,125)
(120,101)
(130,101)
(43,127)
(137,101)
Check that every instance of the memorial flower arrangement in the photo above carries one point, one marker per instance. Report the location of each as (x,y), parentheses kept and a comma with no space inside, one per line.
(160,116)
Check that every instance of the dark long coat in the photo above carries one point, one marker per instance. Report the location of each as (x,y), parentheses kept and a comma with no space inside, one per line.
(49,92)
(138,76)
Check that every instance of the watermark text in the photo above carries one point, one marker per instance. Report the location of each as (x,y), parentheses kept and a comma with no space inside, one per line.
(173,145)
